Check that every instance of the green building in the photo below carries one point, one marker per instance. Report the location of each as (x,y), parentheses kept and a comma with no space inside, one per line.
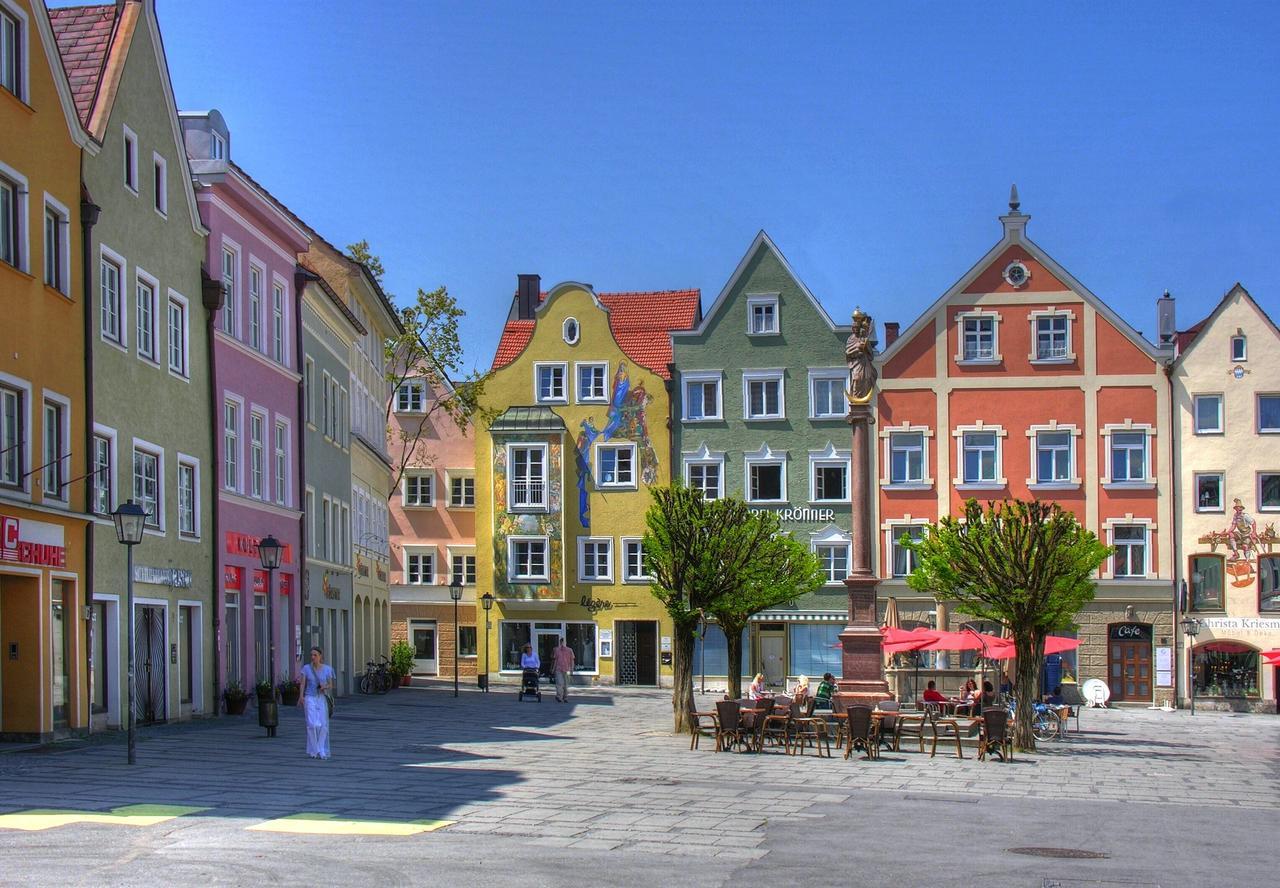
(758,412)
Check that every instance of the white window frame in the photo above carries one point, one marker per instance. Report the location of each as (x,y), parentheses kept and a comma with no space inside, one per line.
(1195,413)
(1128,425)
(463,475)
(22,237)
(512,505)
(1258,487)
(279,331)
(704,457)
(594,541)
(22,67)
(184,307)
(108,255)
(832,537)
(832,374)
(158,452)
(1243,354)
(309,390)
(21,486)
(257,451)
(538,368)
(62,258)
(258,276)
(513,575)
(828,458)
(189,462)
(409,393)
(236,437)
(978,314)
(463,552)
(765,456)
(161,199)
(700,378)
(230,320)
(616,447)
(418,476)
(425,578)
(1265,430)
(217,146)
(979,427)
(763,300)
(625,545)
(142,278)
(282,461)
(1073,456)
(1149,527)
(1052,312)
(778,376)
(130,157)
(109,436)
(603,368)
(63,438)
(887,434)
(1221,506)
(893,531)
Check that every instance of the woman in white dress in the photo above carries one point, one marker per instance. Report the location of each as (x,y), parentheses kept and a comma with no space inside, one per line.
(317,682)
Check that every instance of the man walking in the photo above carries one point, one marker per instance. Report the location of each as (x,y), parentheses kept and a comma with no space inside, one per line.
(562,662)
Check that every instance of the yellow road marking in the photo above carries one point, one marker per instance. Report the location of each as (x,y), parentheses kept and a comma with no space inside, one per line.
(331,825)
(128,815)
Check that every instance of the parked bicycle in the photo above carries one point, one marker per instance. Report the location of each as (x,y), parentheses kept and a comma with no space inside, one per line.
(377,677)
(1045,724)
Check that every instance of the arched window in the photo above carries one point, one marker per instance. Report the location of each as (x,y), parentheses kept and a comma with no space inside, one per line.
(1269,583)
(1226,669)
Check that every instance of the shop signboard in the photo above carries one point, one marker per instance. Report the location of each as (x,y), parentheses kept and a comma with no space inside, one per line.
(23,541)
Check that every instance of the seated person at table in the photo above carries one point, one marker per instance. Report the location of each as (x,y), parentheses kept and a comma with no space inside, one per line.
(1006,684)
(968,700)
(801,693)
(987,698)
(932,695)
(1059,706)
(826,688)
(756,690)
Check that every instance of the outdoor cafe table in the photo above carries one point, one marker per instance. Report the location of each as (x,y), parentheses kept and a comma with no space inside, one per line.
(956,723)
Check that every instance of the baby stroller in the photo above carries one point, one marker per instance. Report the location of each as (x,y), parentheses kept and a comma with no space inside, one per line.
(529,685)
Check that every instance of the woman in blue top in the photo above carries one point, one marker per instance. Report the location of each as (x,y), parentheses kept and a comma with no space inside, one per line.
(317,682)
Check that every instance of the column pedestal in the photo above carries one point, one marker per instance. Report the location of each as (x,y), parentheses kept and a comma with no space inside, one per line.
(862,660)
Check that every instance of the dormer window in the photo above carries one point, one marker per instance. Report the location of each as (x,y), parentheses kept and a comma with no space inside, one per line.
(217,147)
(762,315)
(1239,348)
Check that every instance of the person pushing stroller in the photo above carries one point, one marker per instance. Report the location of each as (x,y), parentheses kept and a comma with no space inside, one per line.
(530,665)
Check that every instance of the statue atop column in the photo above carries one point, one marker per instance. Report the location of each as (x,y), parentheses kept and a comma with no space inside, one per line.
(859,351)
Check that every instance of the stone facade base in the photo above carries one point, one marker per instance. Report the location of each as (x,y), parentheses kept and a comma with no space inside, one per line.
(442,614)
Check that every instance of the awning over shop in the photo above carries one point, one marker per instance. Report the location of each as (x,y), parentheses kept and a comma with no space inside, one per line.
(528,419)
(800,617)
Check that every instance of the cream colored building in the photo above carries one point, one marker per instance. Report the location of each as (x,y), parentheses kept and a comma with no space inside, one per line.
(1226,389)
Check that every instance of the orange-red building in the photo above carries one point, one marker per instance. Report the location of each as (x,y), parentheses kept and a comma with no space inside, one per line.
(1018,382)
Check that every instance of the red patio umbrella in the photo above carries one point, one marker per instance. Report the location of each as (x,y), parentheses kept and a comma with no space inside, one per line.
(1054,644)
(1272,657)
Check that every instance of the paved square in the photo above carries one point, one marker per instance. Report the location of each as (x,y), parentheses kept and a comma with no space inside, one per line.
(484,789)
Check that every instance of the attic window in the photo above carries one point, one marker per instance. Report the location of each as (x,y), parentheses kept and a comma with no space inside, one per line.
(218,147)
(571,331)
(1239,348)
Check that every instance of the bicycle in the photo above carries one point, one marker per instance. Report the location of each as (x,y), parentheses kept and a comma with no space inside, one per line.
(1045,724)
(376,678)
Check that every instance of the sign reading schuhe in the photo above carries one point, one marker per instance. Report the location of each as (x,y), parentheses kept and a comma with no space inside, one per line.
(1131,632)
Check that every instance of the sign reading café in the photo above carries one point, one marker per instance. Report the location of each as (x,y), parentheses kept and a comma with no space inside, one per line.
(23,541)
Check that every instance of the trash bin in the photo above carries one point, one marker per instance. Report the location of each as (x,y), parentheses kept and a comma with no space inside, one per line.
(482,681)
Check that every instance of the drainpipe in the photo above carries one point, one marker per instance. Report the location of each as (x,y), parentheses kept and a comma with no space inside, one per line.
(300,279)
(89,212)
(212,296)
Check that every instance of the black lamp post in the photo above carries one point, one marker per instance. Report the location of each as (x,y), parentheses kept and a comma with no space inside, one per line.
(1191,628)
(455,592)
(130,519)
(269,550)
(487,600)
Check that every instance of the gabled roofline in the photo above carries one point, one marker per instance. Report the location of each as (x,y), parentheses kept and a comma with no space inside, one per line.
(53,58)
(1237,289)
(283,219)
(1013,236)
(562,287)
(315,277)
(761,239)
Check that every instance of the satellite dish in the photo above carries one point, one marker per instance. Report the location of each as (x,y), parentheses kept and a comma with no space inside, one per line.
(1096,692)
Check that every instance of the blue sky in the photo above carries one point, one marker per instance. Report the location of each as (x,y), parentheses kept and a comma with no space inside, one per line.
(642,146)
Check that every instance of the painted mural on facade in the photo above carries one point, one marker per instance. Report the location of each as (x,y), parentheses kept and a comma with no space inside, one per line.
(548,524)
(626,419)
(1243,541)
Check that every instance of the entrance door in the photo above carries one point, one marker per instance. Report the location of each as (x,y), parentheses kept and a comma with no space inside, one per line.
(1129,669)
(547,641)
(772,653)
(636,660)
(60,642)
(422,635)
(149,665)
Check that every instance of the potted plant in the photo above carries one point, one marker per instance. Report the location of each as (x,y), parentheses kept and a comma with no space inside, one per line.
(402,661)
(289,689)
(265,691)
(235,698)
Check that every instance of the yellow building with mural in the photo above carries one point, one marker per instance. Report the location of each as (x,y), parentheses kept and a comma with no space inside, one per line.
(579,433)
(1227,395)
(43,635)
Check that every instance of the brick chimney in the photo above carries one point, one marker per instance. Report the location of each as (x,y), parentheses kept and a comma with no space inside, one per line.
(891,331)
(527,289)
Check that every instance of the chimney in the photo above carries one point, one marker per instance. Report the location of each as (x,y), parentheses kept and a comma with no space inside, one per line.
(527,290)
(1166,320)
(891,329)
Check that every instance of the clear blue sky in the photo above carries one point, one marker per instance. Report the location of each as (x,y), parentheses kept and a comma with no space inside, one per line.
(642,146)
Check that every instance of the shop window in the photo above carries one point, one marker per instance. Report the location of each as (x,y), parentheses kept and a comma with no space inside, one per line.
(1269,584)
(711,653)
(1206,582)
(815,649)
(512,637)
(1226,669)
(466,641)
(581,637)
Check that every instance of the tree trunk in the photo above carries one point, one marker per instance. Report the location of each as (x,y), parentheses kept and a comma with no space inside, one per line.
(1026,687)
(733,643)
(682,666)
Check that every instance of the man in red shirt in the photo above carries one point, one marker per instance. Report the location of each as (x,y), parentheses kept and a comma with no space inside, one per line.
(931,694)
(562,664)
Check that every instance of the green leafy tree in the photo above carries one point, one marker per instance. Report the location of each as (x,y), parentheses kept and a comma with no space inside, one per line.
(429,350)
(1028,565)
(716,559)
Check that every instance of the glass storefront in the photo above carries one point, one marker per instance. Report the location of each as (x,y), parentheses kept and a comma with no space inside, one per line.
(61,654)
(101,676)
(711,654)
(1226,669)
(815,648)
(581,637)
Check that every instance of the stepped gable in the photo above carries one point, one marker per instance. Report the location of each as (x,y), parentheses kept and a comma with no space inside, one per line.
(84,38)
(641,321)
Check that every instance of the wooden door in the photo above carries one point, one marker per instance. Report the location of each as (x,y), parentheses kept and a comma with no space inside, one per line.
(1129,670)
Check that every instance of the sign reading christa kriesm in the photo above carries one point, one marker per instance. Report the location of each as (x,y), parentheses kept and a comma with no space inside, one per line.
(801,513)
(1238,624)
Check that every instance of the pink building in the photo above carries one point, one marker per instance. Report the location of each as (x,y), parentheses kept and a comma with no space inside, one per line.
(252,252)
(433,535)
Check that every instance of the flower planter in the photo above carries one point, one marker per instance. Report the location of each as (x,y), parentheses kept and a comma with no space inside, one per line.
(236,705)
(289,696)
(406,680)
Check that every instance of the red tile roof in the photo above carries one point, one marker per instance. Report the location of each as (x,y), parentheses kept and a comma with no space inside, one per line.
(84,37)
(641,323)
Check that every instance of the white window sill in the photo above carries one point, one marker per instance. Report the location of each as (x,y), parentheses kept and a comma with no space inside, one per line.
(638,581)
(979,362)
(764,333)
(1128,485)
(1049,362)
(460,508)
(1214,510)
(418,506)
(703,419)
(1269,431)
(926,484)
(596,581)
(561,401)
(1074,484)
(593,400)
(763,418)
(619,487)
(777,502)
(829,502)
(511,507)
(528,580)
(828,416)
(999,484)
(1209,433)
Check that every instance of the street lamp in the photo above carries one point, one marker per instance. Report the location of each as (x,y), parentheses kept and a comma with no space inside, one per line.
(487,600)
(130,519)
(455,592)
(1191,628)
(269,550)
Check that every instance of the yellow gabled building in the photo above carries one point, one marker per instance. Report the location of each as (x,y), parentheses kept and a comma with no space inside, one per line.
(580,433)
(43,445)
